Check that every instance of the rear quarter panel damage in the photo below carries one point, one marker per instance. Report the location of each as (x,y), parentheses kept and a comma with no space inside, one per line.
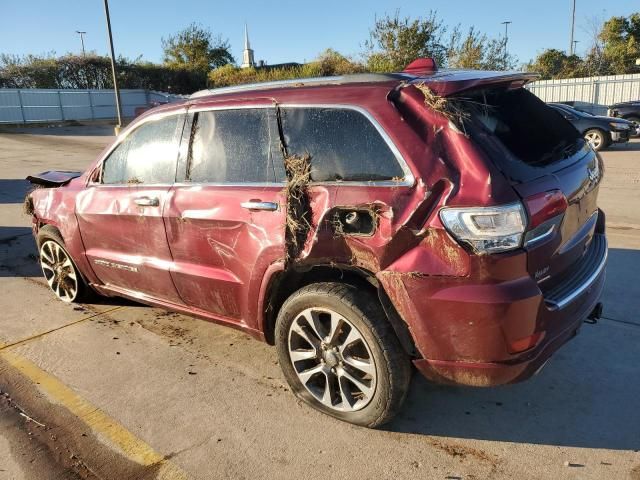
(410,244)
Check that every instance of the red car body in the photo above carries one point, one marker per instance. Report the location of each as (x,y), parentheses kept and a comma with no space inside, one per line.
(464,318)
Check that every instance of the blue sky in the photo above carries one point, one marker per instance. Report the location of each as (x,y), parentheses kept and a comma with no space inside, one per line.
(285,30)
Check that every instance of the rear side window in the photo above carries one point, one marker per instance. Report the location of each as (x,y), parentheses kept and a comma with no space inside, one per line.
(148,155)
(343,144)
(231,146)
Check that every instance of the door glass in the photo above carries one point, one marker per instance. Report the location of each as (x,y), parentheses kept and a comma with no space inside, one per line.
(147,155)
(343,145)
(231,146)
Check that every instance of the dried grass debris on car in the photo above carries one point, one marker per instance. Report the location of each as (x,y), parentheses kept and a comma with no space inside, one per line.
(298,172)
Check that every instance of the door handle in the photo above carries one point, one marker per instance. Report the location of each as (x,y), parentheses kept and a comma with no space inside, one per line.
(147,201)
(257,205)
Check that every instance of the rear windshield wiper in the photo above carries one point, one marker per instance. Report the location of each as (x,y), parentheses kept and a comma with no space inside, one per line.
(563,150)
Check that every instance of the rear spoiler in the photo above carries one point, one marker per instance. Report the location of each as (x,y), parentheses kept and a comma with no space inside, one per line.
(53,178)
(452,82)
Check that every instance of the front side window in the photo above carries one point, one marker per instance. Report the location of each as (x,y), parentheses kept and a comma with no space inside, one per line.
(342,143)
(148,155)
(232,146)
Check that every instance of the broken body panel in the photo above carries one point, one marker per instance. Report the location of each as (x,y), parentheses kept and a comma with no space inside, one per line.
(201,249)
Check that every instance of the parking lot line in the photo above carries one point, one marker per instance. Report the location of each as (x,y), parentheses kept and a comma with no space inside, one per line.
(42,334)
(96,420)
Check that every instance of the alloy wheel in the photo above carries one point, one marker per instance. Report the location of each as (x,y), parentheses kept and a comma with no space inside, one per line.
(595,139)
(332,359)
(59,271)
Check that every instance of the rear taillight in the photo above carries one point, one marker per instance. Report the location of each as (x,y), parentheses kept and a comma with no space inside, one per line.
(544,206)
(545,214)
(487,229)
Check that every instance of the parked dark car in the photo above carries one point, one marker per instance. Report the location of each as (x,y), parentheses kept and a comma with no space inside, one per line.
(359,223)
(599,131)
(627,110)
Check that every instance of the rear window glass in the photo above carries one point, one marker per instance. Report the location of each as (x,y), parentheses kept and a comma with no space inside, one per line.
(231,146)
(148,155)
(343,144)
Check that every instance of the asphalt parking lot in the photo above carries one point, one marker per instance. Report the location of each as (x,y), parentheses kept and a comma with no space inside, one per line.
(116,390)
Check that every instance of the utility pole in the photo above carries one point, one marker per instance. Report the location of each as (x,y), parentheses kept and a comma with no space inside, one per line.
(113,68)
(573,24)
(82,34)
(506,39)
(575,44)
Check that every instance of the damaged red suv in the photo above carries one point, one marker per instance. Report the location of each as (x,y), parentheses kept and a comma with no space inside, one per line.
(359,223)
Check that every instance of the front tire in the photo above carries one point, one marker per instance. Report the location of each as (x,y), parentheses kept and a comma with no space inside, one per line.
(59,270)
(597,139)
(340,355)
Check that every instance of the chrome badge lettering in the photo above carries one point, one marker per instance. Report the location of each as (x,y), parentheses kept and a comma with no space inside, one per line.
(120,266)
(541,272)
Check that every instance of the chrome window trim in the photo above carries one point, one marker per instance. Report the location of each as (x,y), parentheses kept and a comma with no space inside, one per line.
(541,237)
(560,304)
(236,185)
(407,181)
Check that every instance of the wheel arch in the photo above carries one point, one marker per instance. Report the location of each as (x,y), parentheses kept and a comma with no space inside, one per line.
(47,226)
(283,283)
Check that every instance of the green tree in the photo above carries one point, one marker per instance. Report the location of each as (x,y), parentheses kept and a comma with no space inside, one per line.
(621,39)
(94,71)
(334,63)
(395,42)
(195,47)
(328,63)
(476,51)
(553,63)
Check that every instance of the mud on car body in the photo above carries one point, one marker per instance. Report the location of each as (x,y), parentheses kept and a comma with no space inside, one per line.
(358,223)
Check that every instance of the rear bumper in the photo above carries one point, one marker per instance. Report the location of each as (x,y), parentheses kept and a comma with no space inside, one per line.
(492,334)
(487,374)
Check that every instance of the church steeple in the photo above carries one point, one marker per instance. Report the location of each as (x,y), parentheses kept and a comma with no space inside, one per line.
(247,53)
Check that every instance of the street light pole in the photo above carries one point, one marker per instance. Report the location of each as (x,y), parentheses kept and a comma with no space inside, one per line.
(82,34)
(506,39)
(575,44)
(573,24)
(113,68)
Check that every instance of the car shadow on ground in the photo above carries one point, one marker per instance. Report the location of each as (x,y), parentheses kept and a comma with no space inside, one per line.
(71,129)
(587,396)
(13,190)
(18,253)
(631,146)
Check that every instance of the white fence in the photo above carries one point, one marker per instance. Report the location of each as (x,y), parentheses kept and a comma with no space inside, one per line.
(44,105)
(593,94)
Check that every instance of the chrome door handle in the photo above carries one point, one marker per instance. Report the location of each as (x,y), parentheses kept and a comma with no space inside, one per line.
(147,201)
(268,206)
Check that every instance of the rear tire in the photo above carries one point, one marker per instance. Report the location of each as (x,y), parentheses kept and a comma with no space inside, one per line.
(340,354)
(597,139)
(59,269)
